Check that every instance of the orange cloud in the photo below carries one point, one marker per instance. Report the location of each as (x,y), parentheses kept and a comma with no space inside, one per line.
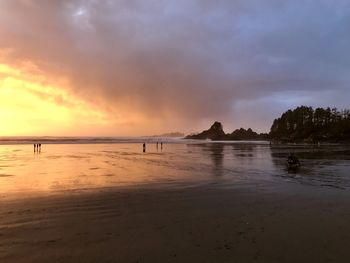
(31,106)
(32,103)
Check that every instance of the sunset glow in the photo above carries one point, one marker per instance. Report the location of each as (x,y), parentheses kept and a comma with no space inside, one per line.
(174,131)
(125,68)
(34,107)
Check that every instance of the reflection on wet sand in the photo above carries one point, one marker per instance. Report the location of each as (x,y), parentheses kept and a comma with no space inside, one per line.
(244,151)
(209,202)
(325,166)
(62,168)
(216,153)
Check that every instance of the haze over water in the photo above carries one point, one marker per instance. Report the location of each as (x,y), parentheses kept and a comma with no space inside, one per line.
(64,168)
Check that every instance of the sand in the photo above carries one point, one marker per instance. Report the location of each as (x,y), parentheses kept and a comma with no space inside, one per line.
(195,224)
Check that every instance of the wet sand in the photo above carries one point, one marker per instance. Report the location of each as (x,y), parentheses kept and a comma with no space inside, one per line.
(194,224)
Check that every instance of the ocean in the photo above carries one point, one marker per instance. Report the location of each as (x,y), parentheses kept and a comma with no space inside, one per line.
(79,164)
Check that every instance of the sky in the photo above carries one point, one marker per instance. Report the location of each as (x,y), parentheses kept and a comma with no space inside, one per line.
(135,67)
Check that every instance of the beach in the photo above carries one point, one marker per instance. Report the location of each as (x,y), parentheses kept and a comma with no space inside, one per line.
(174,131)
(199,206)
(193,225)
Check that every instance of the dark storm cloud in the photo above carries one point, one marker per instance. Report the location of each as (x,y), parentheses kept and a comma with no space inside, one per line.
(192,60)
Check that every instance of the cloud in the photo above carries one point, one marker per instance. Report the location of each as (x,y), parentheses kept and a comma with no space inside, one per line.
(186,63)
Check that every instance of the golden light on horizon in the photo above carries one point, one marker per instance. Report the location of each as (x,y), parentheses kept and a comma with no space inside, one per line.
(31,106)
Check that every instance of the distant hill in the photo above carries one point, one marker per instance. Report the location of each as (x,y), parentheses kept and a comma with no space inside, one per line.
(216,132)
(171,135)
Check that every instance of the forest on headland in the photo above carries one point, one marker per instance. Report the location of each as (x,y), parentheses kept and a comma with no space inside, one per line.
(302,124)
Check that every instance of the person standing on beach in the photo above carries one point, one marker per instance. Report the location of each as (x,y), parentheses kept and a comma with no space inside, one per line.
(39,145)
(34,147)
(161,145)
(144,147)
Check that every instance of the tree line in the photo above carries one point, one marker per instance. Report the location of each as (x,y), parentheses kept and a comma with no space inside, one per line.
(306,124)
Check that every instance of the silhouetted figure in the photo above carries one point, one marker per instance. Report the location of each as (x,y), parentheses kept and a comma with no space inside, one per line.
(39,145)
(292,161)
(157,145)
(144,147)
(161,145)
(34,147)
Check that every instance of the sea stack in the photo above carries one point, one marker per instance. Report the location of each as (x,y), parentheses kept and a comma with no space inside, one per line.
(216,132)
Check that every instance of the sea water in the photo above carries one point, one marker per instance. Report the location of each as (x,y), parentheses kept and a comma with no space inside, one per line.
(93,164)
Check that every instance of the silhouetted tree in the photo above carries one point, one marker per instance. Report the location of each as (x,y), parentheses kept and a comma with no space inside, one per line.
(305,124)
